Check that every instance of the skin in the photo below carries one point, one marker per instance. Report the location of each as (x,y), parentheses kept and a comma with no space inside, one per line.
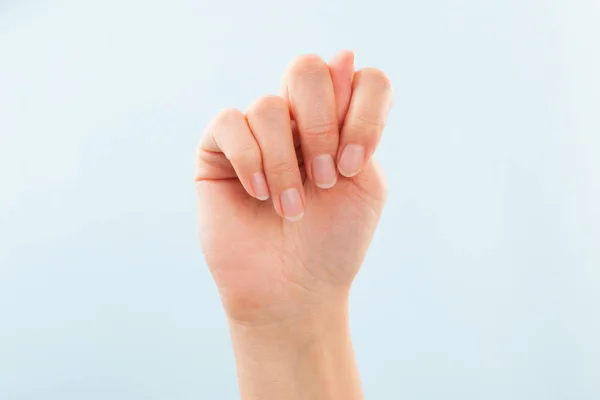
(286,217)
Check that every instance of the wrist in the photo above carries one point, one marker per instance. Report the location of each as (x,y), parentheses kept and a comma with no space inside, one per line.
(305,357)
(273,340)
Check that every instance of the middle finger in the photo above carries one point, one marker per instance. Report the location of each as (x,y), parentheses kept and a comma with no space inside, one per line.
(312,102)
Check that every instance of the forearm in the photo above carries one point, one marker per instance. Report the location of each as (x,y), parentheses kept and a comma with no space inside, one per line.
(303,358)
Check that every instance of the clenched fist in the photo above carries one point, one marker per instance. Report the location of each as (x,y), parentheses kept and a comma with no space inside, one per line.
(289,194)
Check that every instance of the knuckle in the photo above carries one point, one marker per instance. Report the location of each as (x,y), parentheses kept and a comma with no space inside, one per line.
(200,148)
(319,128)
(245,156)
(227,116)
(281,167)
(381,186)
(366,125)
(375,77)
(308,64)
(266,106)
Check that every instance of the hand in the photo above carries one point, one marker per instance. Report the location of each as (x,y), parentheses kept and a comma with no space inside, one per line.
(284,266)
(282,231)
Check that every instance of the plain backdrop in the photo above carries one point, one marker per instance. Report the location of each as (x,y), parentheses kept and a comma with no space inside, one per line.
(483,280)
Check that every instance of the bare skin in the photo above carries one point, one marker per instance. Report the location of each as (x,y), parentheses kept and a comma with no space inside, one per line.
(289,197)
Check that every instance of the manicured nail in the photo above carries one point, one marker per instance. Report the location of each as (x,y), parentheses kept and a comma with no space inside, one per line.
(291,205)
(259,186)
(351,160)
(324,172)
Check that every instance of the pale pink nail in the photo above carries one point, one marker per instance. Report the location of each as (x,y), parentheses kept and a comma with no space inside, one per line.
(291,205)
(324,172)
(352,159)
(259,186)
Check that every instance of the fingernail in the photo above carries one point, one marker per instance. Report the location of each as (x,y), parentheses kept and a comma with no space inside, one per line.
(291,205)
(324,172)
(351,160)
(259,186)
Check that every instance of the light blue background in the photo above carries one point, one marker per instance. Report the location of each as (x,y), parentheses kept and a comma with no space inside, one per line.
(483,281)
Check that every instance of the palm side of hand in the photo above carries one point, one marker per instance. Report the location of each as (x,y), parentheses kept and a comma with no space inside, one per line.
(265,265)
